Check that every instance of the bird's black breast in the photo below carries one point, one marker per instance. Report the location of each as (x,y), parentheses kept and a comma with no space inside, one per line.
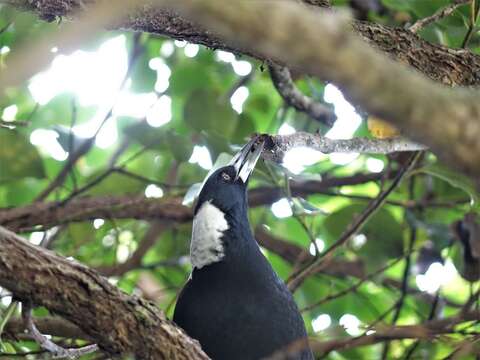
(240,310)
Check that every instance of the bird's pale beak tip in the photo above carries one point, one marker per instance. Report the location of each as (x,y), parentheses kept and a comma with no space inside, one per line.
(245,160)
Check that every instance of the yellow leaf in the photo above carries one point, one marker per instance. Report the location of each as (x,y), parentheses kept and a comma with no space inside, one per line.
(381,129)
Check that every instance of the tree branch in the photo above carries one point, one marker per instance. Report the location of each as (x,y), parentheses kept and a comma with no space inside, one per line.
(440,14)
(283,82)
(437,62)
(293,253)
(54,326)
(283,143)
(426,331)
(50,214)
(48,345)
(121,324)
(323,259)
(366,77)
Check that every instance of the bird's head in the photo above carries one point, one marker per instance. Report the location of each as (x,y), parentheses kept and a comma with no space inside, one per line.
(226,187)
(221,210)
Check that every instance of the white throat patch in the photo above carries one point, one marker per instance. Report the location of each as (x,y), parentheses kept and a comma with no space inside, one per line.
(206,246)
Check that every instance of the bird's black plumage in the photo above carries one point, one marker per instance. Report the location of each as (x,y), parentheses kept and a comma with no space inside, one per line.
(237,307)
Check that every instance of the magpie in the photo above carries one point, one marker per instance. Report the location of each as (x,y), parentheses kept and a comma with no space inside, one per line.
(234,303)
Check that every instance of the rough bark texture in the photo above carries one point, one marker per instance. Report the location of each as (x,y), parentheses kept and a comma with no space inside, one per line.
(119,207)
(384,88)
(121,324)
(125,324)
(437,62)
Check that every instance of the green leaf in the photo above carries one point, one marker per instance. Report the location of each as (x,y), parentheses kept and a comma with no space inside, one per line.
(216,144)
(23,191)
(245,127)
(383,233)
(187,77)
(161,138)
(454,178)
(144,134)
(206,111)
(18,157)
(143,77)
(116,184)
(180,146)
(57,112)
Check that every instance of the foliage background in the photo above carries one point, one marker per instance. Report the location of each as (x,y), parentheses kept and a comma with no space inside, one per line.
(191,92)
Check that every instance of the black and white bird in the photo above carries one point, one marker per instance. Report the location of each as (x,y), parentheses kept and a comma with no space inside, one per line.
(234,303)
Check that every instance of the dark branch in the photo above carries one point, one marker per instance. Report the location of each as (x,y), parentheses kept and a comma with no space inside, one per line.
(52,214)
(121,324)
(283,82)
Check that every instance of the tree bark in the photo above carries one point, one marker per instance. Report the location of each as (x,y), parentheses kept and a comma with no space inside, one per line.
(438,62)
(382,87)
(54,213)
(121,324)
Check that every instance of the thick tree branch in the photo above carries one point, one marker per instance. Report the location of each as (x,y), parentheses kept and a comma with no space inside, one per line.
(121,324)
(94,18)
(367,78)
(384,88)
(437,62)
(448,66)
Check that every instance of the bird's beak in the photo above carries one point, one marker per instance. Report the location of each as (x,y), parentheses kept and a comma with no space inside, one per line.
(244,161)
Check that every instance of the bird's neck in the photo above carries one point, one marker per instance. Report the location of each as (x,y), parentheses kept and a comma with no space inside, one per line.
(219,236)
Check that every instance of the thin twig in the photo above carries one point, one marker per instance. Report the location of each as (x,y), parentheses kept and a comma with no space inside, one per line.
(88,143)
(431,315)
(13,124)
(408,204)
(146,180)
(5,28)
(71,139)
(46,344)
(406,271)
(297,279)
(243,81)
(471,27)
(424,331)
(354,286)
(440,14)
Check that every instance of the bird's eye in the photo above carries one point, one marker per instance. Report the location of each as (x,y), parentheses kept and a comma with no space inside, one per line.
(226,177)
